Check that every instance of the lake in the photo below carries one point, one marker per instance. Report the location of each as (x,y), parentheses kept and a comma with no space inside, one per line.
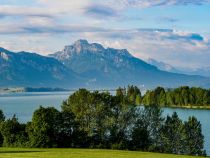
(24,104)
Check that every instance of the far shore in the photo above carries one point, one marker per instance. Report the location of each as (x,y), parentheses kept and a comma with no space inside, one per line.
(188,107)
(47,89)
(31,89)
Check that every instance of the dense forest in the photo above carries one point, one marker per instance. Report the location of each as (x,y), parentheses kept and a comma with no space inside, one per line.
(101,120)
(182,96)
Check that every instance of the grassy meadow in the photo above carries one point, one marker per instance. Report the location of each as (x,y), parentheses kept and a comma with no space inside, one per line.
(79,153)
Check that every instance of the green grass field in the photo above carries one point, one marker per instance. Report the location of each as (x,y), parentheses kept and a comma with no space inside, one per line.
(79,153)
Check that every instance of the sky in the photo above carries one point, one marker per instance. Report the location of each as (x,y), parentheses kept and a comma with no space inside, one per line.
(176,32)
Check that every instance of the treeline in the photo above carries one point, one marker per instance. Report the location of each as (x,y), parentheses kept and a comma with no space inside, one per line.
(182,96)
(101,120)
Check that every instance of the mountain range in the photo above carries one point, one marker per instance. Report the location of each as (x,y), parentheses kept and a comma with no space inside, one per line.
(202,71)
(85,64)
(30,69)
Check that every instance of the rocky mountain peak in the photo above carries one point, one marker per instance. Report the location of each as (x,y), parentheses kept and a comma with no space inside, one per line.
(79,47)
(118,52)
(81,42)
(84,47)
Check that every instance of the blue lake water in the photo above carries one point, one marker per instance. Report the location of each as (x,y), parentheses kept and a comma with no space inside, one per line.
(24,104)
(202,115)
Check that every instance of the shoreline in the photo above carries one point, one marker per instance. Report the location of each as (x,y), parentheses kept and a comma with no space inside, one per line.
(38,90)
(187,107)
(32,89)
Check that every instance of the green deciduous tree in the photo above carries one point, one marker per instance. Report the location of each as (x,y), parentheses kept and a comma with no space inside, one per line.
(152,116)
(101,120)
(140,136)
(44,128)
(2,119)
(14,134)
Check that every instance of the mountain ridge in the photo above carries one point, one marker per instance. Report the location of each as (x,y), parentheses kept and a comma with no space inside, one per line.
(30,69)
(201,71)
(85,64)
(117,66)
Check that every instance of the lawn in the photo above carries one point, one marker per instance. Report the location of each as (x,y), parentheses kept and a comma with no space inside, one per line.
(79,153)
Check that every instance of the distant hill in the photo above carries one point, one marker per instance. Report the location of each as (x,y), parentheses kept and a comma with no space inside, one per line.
(202,71)
(30,69)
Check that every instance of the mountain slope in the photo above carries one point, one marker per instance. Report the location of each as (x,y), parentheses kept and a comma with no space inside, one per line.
(202,71)
(30,69)
(161,65)
(112,67)
(86,65)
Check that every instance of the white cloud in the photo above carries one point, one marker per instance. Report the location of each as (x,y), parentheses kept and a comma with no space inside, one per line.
(50,24)
(66,6)
(7,10)
(122,4)
(182,49)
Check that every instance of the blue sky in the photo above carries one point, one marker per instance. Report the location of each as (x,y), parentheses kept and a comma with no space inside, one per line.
(173,31)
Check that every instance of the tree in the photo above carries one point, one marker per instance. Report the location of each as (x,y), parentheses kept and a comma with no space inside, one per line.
(2,119)
(170,98)
(152,117)
(173,135)
(101,120)
(105,118)
(134,95)
(81,105)
(44,127)
(121,92)
(122,117)
(194,138)
(14,133)
(206,98)
(185,91)
(182,96)
(92,111)
(149,99)
(160,96)
(69,134)
(140,136)
(138,100)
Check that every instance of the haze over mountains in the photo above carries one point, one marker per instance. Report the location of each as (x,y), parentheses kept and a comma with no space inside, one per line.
(87,65)
(202,71)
